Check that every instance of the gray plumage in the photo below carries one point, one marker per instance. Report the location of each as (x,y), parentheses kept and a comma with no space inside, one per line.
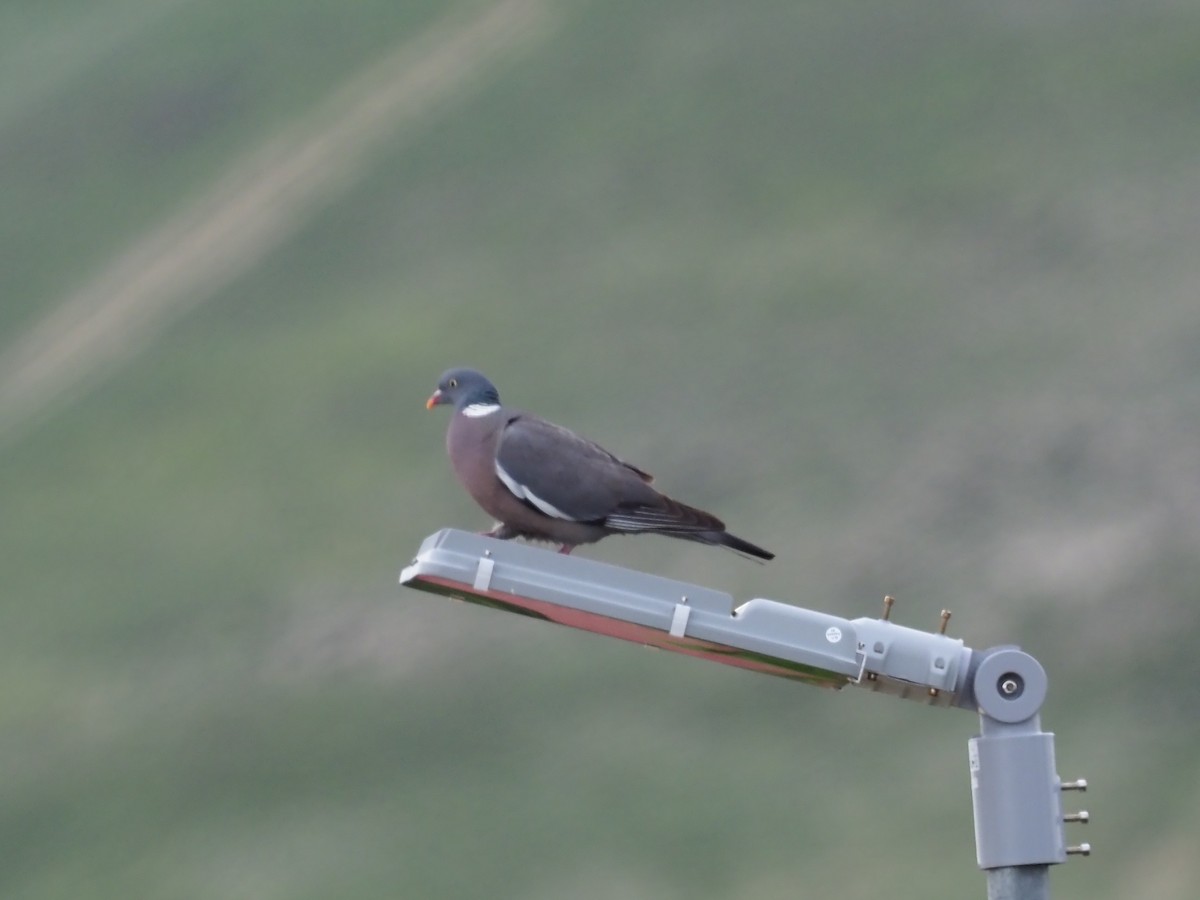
(541,481)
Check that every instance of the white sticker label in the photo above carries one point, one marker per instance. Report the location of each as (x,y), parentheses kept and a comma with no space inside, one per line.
(833,634)
(973,762)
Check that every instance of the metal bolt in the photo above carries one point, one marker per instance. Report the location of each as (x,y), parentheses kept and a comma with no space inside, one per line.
(1081,817)
(1077,785)
(1084,849)
(945,621)
(1011,685)
(887,606)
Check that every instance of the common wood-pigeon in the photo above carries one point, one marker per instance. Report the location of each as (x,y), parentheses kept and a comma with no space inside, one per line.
(543,482)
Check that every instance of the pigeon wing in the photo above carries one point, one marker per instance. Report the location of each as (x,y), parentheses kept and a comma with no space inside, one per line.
(564,475)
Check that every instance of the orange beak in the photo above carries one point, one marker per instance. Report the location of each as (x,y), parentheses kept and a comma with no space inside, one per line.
(433,400)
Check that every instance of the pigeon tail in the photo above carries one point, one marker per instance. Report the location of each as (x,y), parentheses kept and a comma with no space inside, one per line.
(735,543)
(678,520)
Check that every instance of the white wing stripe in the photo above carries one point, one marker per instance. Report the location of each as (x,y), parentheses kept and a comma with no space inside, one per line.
(523,493)
(509,482)
(548,508)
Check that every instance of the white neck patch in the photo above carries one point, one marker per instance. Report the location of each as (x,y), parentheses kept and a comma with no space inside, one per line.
(475,410)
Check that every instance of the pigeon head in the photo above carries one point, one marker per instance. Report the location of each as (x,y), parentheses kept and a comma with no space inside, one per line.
(461,388)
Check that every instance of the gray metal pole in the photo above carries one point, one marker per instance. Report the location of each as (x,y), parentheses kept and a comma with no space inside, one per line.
(1015,788)
(1019,883)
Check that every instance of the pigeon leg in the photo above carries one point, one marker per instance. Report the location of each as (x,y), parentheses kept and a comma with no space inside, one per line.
(566,549)
(500,532)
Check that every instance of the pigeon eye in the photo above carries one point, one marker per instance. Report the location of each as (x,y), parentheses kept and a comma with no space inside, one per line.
(453,382)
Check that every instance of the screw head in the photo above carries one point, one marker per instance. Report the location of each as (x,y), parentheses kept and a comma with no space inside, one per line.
(1011,685)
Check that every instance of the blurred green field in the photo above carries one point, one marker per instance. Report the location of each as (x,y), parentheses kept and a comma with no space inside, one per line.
(907,295)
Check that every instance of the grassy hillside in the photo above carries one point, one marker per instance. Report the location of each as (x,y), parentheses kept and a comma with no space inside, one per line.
(906,295)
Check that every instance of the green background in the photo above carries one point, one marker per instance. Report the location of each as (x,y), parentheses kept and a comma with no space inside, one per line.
(908,294)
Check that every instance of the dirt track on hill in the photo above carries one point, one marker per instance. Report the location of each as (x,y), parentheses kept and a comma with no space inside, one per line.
(260,199)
